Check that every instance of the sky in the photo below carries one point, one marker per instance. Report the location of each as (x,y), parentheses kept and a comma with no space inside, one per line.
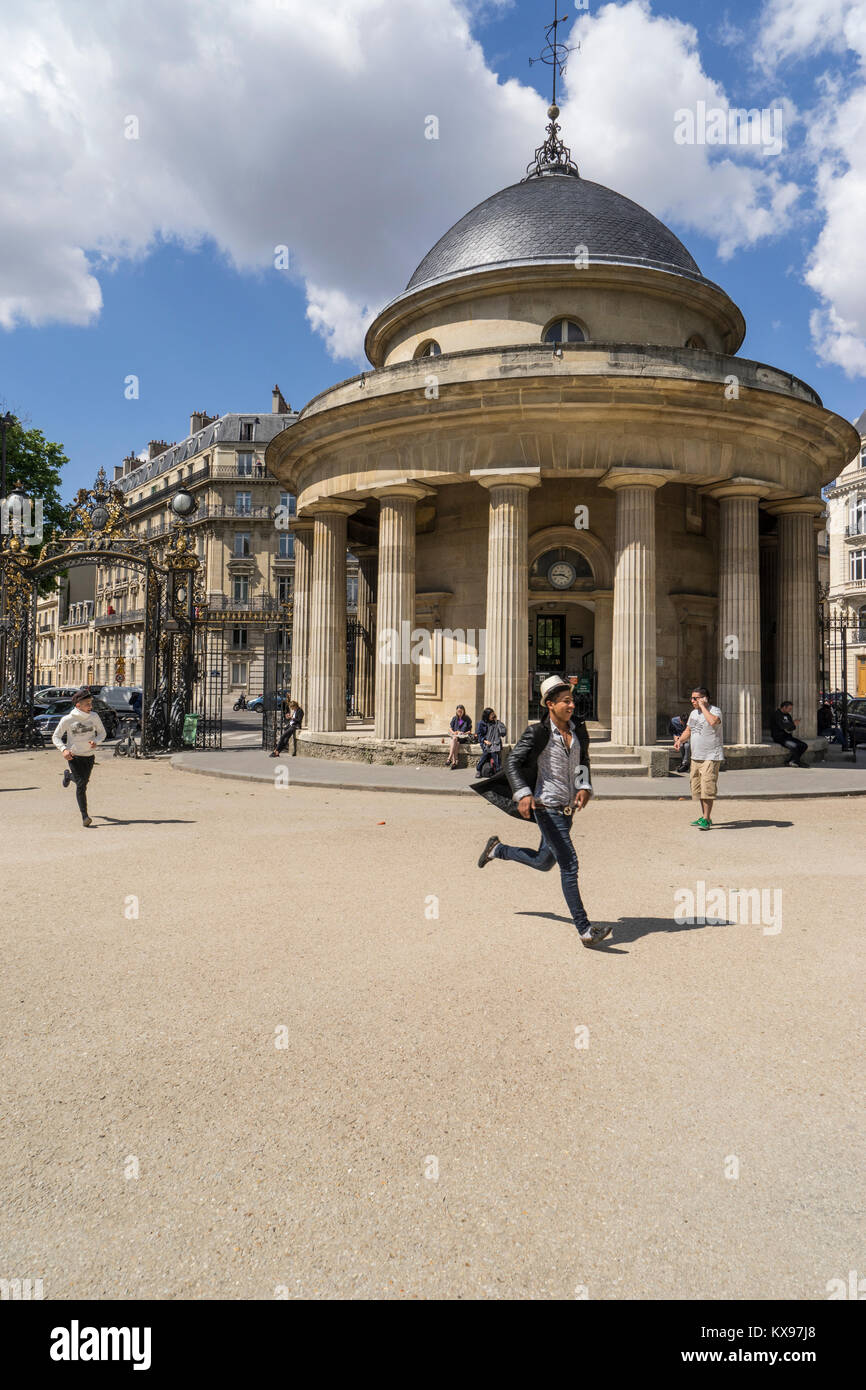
(203,198)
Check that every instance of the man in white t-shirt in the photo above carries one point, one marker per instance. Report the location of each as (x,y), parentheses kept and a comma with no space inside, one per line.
(703,732)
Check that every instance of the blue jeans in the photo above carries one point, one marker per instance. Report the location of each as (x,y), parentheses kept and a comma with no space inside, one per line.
(555,848)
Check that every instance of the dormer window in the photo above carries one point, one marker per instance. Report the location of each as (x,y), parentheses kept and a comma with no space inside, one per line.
(696,341)
(429,349)
(564,331)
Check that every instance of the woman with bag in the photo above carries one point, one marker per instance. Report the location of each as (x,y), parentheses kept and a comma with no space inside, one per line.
(461,732)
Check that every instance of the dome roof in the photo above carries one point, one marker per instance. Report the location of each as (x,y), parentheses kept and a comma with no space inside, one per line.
(544,219)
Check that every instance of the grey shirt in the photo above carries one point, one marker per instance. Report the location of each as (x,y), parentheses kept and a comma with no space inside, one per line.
(561,774)
(706,739)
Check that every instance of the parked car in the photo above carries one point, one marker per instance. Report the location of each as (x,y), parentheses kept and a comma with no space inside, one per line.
(116,696)
(856,724)
(47,722)
(274,699)
(50,694)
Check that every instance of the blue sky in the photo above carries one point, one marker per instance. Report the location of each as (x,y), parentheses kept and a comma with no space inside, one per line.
(179,244)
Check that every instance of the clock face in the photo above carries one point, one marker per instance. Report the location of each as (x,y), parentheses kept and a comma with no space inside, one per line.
(561,574)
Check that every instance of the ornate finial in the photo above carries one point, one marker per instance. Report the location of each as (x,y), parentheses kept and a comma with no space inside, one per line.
(553,157)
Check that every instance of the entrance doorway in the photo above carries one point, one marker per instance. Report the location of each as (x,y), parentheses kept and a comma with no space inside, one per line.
(861,675)
(562,643)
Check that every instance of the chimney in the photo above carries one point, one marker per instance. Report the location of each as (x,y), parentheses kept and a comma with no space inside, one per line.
(278,404)
(119,470)
(130,463)
(155,448)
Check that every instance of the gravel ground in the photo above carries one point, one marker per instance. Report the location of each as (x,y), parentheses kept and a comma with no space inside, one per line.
(245,1056)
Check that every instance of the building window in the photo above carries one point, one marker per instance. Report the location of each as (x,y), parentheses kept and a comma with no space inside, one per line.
(289,502)
(239,673)
(245,465)
(287,546)
(241,588)
(863,454)
(242,543)
(352,590)
(858,565)
(857,517)
(696,341)
(243,503)
(564,331)
(284,588)
(861,625)
(239,637)
(429,349)
(247,430)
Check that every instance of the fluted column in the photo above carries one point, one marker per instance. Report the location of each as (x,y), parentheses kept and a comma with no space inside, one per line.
(326,680)
(769,581)
(603,644)
(633,676)
(395,610)
(365,654)
(796,620)
(506,680)
(303,528)
(738,679)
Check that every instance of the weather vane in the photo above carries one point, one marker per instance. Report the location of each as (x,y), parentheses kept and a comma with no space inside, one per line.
(553,157)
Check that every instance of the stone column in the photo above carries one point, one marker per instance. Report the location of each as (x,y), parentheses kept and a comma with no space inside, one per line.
(506,646)
(603,643)
(326,679)
(303,529)
(395,610)
(796,610)
(366,653)
(738,679)
(633,677)
(769,581)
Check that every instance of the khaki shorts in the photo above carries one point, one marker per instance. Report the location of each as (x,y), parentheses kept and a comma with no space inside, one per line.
(704,780)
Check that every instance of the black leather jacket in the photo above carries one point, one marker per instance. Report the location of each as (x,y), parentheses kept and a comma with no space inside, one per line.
(521,766)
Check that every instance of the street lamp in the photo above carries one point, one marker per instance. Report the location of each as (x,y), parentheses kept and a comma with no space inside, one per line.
(5,422)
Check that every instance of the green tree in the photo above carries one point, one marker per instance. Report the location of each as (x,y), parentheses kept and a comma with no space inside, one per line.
(35,463)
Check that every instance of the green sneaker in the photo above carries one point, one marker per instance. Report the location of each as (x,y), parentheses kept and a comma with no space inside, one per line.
(705,825)
(700,821)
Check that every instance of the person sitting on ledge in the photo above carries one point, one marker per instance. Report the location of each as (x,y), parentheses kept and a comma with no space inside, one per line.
(461,732)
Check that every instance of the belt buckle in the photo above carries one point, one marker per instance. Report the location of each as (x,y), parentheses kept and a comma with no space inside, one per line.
(566,810)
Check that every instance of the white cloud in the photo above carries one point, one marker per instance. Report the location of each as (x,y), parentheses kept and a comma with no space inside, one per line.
(836,144)
(279,122)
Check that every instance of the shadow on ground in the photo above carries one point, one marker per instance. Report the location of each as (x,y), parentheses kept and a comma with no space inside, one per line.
(630,929)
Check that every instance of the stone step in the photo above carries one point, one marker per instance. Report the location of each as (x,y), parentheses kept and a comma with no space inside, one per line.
(615,769)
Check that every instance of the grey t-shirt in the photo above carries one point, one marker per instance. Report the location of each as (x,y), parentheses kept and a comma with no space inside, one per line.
(706,739)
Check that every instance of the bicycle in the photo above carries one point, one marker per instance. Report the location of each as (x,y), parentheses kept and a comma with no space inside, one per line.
(127,744)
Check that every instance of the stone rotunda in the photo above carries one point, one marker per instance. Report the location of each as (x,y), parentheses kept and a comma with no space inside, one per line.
(559,464)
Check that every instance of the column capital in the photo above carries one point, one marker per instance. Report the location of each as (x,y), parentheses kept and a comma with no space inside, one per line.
(506,477)
(797,506)
(398,487)
(627,475)
(738,487)
(300,524)
(333,506)
(361,549)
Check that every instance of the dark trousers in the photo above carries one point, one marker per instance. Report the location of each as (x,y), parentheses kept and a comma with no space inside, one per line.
(555,848)
(289,732)
(797,747)
(81,768)
(488,756)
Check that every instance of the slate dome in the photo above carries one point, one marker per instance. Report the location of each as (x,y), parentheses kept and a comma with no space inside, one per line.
(544,219)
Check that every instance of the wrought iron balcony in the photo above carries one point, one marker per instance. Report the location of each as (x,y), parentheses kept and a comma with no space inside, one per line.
(259,603)
(168,488)
(133,615)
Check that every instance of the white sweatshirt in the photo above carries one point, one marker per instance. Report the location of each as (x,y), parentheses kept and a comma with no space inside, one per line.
(79,729)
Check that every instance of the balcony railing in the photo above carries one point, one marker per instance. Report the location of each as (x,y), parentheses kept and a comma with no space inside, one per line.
(259,603)
(856,528)
(167,488)
(231,470)
(133,615)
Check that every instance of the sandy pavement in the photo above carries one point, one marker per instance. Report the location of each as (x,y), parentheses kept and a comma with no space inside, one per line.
(324,1087)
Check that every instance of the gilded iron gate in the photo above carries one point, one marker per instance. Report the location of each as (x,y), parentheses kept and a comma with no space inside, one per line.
(276,682)
(207,691)
(99,534)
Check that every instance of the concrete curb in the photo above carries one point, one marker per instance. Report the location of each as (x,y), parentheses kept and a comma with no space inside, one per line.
(602,793)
